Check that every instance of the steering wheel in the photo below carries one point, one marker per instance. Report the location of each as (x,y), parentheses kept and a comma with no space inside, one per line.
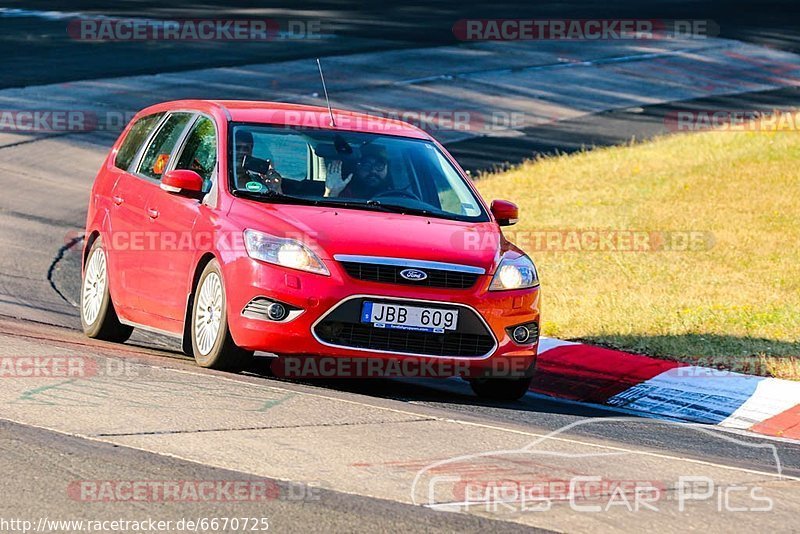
(396,193)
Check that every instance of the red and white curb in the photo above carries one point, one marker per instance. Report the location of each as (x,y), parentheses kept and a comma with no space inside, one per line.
(673,390)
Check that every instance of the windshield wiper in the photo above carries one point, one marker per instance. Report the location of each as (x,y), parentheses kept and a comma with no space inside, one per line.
(271,195)
(375,205)
(396,208)
(390,208)
(333,201)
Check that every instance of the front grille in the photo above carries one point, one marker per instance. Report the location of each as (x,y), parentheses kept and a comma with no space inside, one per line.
(342,327)
(365,336)
(390,274)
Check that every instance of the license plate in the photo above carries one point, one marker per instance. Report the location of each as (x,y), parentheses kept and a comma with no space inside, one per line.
(400,317)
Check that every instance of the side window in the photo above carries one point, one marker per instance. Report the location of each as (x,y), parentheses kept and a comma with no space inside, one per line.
(133,141)
(200,151)
(157,155)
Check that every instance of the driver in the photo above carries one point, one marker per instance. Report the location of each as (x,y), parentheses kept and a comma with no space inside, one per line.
(371,175)
(254,171)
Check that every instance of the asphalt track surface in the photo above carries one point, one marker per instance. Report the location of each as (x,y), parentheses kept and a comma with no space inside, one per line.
(40,460)
(35,49)
(38,285)
(44,53)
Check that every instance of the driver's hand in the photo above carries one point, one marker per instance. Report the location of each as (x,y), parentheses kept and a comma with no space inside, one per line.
(334,185)
(273,181)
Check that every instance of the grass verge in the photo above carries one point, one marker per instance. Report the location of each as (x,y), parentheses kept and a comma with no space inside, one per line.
(686,247)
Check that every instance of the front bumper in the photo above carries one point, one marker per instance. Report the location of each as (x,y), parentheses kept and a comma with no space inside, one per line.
(316,297)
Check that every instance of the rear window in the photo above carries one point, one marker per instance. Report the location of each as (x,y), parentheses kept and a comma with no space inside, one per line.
(133,141)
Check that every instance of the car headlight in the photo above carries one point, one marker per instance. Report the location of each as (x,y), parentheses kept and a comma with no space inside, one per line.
(517,273)
(282,251)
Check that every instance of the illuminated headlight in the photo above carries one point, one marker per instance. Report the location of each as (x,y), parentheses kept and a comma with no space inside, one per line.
(281,251)
(517,273)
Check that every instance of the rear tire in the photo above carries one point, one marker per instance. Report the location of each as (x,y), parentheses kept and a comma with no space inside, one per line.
(501,389)
(212,344)
(98,316)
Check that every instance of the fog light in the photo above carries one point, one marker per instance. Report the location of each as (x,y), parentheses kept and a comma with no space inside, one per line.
(521,334)
(277,311)
(524,334)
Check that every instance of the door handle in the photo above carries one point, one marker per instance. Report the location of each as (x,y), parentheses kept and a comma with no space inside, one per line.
(152,213)
(117,200)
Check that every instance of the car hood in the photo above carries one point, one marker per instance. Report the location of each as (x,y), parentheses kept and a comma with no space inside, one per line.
(331,231)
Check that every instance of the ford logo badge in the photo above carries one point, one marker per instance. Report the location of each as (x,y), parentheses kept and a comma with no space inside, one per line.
(414,274)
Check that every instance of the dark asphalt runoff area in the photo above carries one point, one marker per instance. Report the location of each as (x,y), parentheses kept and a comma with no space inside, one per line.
(39,464)
(35,50)
(44,53)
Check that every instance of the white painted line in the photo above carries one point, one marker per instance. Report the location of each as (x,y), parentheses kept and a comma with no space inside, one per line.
(548,343)
(554,435)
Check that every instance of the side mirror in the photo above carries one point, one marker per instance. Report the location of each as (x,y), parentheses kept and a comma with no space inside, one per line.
(182,181)
(506,213)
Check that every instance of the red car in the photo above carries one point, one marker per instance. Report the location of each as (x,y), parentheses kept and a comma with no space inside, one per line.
(255,226)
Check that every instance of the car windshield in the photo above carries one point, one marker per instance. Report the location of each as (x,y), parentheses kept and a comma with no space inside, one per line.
(354,170)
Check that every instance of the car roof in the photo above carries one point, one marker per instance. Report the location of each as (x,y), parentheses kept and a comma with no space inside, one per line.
(295,115)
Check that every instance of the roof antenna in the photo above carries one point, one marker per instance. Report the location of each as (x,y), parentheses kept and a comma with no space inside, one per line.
(325,89)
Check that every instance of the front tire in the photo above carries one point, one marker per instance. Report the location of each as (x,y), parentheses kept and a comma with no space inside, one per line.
(212,344)
(501,389)
(98,316)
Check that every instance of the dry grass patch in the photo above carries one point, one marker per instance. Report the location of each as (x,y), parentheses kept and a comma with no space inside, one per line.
(731,300)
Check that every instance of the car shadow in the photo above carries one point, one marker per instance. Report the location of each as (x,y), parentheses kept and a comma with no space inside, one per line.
(443,391)
(446,391)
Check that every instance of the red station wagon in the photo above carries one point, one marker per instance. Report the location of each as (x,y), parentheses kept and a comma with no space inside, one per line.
(255,226)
